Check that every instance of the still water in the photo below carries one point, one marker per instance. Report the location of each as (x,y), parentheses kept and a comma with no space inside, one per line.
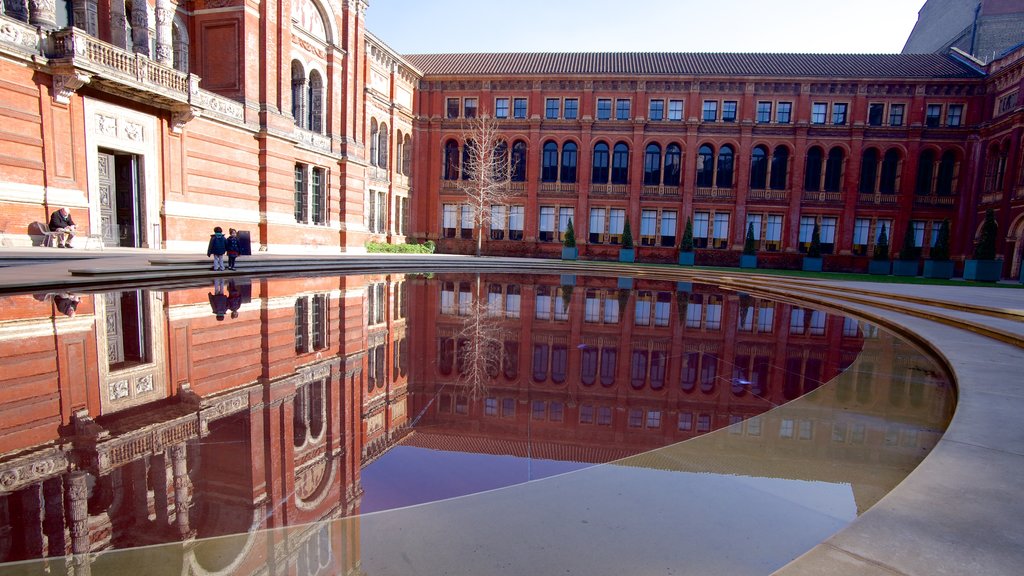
(429,424)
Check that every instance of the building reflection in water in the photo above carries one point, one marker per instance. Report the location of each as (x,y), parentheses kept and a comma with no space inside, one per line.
(152,417)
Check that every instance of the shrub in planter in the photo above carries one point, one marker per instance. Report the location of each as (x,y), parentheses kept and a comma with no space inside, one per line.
(880,257)
(906,264)
(627,253)
(984,267)
(813,260)
(749,257)
(686,245)
(569,250)
(938,264)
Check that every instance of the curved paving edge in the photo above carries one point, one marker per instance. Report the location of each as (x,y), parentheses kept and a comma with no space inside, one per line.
(959,512)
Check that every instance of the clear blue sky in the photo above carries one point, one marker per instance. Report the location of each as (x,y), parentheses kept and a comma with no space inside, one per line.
(808,26)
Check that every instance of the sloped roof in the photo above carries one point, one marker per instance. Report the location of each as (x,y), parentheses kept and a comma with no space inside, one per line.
(691,64)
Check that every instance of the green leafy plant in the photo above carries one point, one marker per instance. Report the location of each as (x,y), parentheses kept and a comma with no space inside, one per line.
(881,252)
(749,247)
(814,250)
(985,249)
(908,251)
(627,237)
(569,238)
(940,252)
(686,245)
(427,247)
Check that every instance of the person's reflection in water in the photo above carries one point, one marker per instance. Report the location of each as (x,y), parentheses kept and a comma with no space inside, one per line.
(219,300)
(234,298)
(67,303)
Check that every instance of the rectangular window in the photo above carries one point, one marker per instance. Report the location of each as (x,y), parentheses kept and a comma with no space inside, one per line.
(515,222)
(469,107)
(656,111)
(501,108)
(721,230)
(668,229)
(453,108)
(784,113)
(685,421)
(764,112)
(604,109)
(551,106)
(861,226)
(729,111)
(622,109)
(498,220)
(318,199)
(839,113)
(806,231)
(648,227)
(773,233)
(546,232)
(616,223)
(876,112)
(675,110)
(709,112)
(918,227)
(572,108)
(519,108)
(827,234)
(564,215)
(301,210)
(896,114)
(754,221)
(701,221)
(467,222)
(597,216)
(449,220)
(933,115)
(954,115)
(819,111)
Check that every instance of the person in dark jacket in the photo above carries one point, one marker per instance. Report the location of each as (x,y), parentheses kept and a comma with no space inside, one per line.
(62,223)
(234,247)
(219,300)
(218,246)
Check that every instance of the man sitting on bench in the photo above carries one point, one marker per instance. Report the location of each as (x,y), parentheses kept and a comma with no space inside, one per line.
(64,226)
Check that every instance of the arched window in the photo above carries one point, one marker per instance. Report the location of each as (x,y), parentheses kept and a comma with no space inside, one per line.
(451,160)
(569,162)
(519,161)
(925,170)
(620,164)
(599,172)
(780,168)
(316,102)
(759,168)
(812,170)
(298,94)
(373,141)
(467,161)
(673,164)
(890,181)
(382,146)
(501,161)
(399,153)
(179,44)
(705,166)
(868,171)
(834,170)
(725,167)
(549,162)
(947,180)
(652,165)
(407,155)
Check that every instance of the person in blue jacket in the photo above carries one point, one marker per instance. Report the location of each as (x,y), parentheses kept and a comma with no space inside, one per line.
(218,246)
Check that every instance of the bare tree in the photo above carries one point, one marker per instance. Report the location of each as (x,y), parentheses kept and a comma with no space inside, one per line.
(487,171)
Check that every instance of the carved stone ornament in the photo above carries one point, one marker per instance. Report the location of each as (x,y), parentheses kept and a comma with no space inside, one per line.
(182,116)
(64,85)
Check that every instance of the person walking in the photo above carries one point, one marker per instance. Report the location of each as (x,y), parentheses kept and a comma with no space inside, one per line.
(218,246)
(234,247)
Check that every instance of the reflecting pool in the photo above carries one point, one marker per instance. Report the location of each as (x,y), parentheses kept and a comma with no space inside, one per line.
(446,423)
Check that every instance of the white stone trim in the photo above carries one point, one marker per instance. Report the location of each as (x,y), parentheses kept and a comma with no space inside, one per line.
(178,209)
(35,194)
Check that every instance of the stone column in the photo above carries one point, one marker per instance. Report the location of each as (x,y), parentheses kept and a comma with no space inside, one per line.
(78,520)
(17,9)
(138,493)
(119,25)
(53,518)
(43,13)
(164,45)
(85,17)
(158,480)
(140,27)
(31,522)
(179,466)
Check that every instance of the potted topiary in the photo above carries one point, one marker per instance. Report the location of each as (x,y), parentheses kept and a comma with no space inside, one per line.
(906,261)
(984,267)
(880,258)
(938,264)
(686,246)
(813,259)
(569,250)
(626,253)
(749,257)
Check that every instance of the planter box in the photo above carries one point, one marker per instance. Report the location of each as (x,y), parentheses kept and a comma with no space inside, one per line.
(627,255)
(686,258)
(983,270)
(904,268)
(748,261)
(567,280)
(684,287)
(812,264)
(625,284)
(879,267)
(938,269)
(570,253)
